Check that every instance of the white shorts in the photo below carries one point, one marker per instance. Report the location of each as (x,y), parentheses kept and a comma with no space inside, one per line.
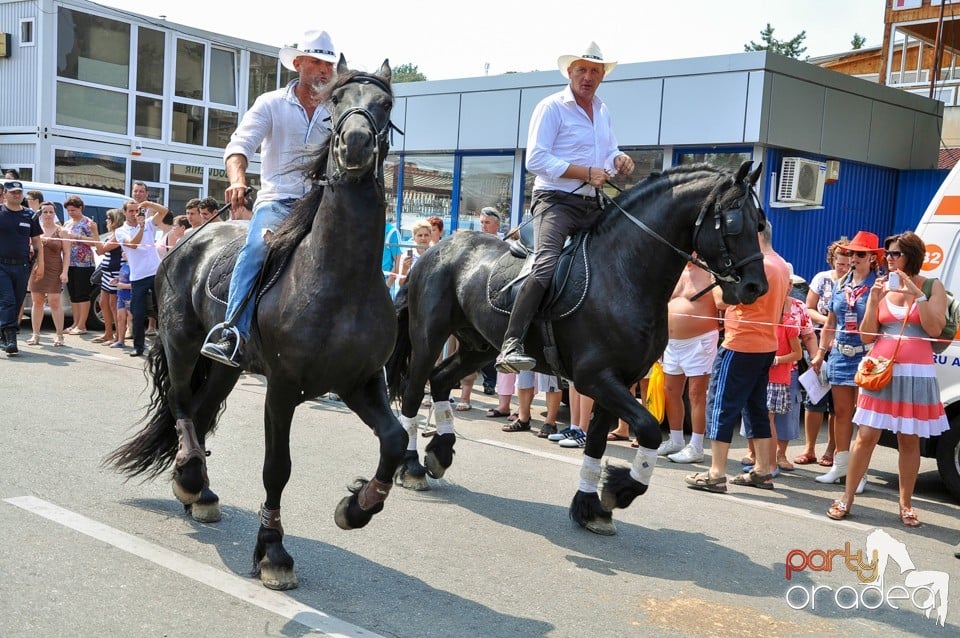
(691,357)
(547,383)
(528,379)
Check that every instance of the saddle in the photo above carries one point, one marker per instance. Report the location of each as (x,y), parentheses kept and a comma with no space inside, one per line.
(217,286)
(570,281)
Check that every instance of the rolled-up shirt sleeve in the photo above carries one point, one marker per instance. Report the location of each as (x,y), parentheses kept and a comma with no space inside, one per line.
(253,128)
(544,128)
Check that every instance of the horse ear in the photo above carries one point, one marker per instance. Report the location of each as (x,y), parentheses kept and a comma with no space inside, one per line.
(755,175)
(385,71)
(743,170)
(342,65)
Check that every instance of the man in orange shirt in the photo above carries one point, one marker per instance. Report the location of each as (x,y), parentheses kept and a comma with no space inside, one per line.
(739,380)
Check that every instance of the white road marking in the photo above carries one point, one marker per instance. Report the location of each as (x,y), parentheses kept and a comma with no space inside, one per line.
(525,450)
(231,584)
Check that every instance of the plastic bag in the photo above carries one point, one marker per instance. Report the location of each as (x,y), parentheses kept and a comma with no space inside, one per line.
(656,397)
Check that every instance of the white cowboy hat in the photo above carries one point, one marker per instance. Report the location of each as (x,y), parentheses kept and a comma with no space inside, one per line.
(316,44)
(592,54)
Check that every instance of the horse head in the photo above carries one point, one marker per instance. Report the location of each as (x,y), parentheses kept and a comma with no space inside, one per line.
(360,105)
(725,237)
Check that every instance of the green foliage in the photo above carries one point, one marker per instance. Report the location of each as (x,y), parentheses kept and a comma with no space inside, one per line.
(857,42)
(792,48)
(407,73)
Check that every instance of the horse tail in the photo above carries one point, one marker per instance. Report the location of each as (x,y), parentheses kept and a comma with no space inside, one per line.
(153,449)
(399,362)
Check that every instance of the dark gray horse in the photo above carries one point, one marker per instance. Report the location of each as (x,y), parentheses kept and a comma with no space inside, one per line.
(324,323)
(635,255)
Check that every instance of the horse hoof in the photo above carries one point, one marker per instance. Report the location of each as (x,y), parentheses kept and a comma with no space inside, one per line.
(182,495)
(409,481)
(206,511)
(340,514)
(602,526)
(278,578)
(434,468)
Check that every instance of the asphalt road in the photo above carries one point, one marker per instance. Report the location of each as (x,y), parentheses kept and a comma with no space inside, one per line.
(488,551)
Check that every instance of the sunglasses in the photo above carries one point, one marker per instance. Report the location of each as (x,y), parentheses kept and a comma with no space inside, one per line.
(894,254)
(850,253)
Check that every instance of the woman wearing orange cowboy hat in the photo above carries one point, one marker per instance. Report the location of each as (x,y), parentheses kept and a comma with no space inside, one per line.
(841,338)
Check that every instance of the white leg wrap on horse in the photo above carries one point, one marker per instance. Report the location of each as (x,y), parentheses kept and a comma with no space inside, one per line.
(444,415)
(590,474)
(643,464)
(409,424)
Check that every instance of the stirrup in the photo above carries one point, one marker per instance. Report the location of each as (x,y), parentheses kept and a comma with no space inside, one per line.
(210,349)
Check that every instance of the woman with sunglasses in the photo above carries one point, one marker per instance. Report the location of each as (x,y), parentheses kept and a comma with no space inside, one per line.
(910,405)
(841,338)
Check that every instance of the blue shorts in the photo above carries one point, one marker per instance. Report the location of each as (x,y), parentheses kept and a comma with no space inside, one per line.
(124,304)
(738,388)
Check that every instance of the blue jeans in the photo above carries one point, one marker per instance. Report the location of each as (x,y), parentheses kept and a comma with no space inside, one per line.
(13,290)
(140,289)
(266,216)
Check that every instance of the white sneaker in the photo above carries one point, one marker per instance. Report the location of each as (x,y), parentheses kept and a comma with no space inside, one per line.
(688,454)
(669,447)
(579,439)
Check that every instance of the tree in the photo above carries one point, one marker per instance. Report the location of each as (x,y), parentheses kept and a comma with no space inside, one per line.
(407,73)
(857,42)
(791,48)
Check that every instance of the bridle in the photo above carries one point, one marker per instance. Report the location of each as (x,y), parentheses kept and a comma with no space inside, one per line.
(728,222)
(380,134)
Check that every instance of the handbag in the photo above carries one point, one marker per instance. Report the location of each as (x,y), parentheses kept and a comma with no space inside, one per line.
(875,373)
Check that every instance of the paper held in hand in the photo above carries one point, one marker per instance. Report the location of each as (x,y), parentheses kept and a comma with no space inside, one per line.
(811,382)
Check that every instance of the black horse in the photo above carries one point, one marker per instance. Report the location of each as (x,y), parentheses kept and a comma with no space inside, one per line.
(606,335)
(324,322)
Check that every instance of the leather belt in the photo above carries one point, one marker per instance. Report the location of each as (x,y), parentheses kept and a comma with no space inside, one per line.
(13,262)
(851,351)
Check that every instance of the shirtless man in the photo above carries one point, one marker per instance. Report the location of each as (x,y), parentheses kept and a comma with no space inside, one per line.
(693,331)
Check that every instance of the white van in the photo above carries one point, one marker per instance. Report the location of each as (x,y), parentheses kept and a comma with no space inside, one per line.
(940,230)
(96,203)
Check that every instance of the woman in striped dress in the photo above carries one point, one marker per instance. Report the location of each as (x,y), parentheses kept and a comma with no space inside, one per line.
(910,405)
(109,270)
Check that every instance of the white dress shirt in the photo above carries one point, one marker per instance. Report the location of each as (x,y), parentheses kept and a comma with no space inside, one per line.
(561,133)
(278,123)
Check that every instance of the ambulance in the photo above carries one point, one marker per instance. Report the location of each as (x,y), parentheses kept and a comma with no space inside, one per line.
(940,230)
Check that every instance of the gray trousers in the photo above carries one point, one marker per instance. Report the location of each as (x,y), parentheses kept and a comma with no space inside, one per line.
(557,215)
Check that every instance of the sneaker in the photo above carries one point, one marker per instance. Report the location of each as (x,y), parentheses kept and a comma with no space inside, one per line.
(669,447)
(688,454)
(565,433)
(579,439)
(226,350)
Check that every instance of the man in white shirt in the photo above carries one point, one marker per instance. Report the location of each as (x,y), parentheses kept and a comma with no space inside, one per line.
(138,236)
(282,123)
(572,150)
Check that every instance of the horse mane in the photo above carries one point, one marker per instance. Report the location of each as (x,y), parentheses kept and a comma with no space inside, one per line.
(657,182)
(299,222)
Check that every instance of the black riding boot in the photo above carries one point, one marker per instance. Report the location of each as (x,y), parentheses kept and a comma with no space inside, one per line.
(512,357)
(10,341)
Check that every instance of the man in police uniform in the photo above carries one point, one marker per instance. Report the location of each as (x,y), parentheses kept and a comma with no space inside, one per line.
(18,229)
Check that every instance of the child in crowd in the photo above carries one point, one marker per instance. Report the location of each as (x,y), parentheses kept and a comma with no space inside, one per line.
(124,297)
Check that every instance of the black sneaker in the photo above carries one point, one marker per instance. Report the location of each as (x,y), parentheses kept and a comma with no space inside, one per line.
(226,350)
(11,347)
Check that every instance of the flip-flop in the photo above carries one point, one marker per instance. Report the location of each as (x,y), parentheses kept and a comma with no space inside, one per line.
(494,413)
(463,407)
(909,518)
(613,436)
(838,511)
(805,459)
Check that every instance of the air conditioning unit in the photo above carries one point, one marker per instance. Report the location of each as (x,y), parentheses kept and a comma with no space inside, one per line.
(801,181)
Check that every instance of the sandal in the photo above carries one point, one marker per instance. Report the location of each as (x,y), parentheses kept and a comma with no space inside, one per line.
(494,413)
(101,339)
(462,407)
(636,443)
(547,429)
(517,426)
(826,460)
(784,464)
(754,479)
(34,340)
(909,518)
(703,481)
(805,459)
(613,436)
(76,331)
(838,511)
(58,342)
(748,460)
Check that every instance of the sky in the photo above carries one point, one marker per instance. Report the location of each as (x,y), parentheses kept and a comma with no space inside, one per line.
(448,39)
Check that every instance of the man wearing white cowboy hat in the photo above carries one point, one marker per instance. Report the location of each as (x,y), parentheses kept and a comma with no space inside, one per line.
(281,123)
(572,150)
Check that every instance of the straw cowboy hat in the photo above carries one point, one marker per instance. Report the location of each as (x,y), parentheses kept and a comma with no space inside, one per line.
(592,54)
(316,44)
(865,242)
